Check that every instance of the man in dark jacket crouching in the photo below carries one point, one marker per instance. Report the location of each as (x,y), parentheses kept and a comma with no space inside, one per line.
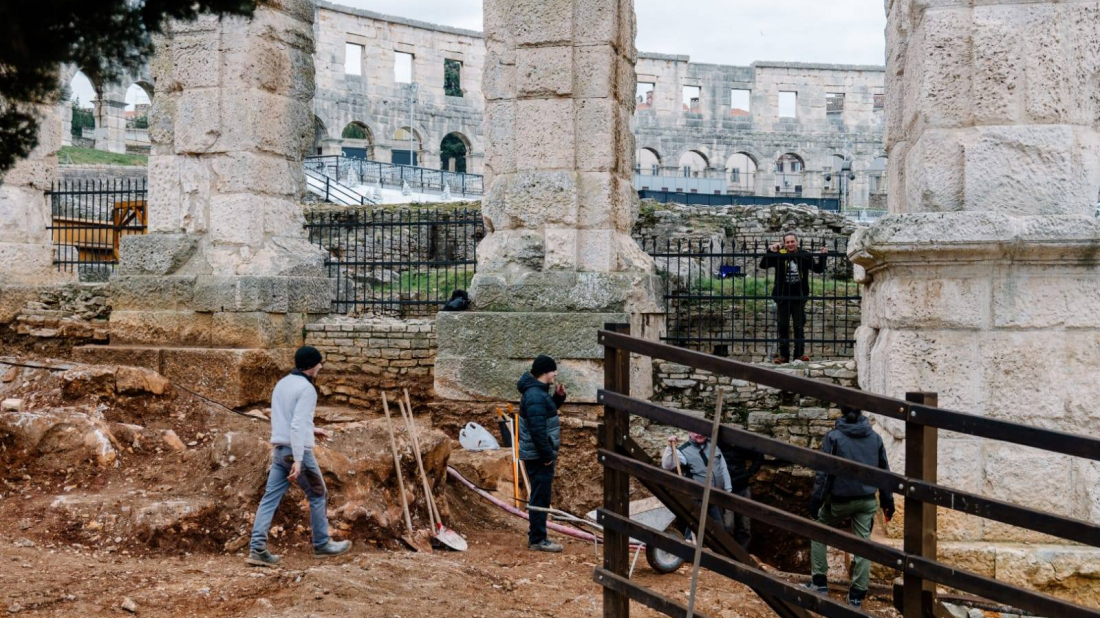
(835,498)
(539,441)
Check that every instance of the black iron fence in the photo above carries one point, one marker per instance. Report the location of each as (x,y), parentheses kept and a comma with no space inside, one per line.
(353,172)
(88,219)
(396,262)
(720,297)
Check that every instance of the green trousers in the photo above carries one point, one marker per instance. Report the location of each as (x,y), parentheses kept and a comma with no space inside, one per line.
(862,513)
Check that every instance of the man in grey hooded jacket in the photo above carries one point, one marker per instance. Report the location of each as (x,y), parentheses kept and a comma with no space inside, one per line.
(835,498)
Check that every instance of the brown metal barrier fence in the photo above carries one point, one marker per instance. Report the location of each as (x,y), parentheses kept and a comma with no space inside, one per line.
(622,459)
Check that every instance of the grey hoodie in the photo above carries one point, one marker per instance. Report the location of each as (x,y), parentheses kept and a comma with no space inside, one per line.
(856,442)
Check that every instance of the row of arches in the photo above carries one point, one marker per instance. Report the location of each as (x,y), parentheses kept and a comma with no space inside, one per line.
(106,116)
(695,163)
(405,146)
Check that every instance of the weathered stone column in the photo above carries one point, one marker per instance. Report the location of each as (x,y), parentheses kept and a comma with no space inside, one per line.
(65,115)
(558,261)
(983,283)
(217,294)
(110,120)
(26,249)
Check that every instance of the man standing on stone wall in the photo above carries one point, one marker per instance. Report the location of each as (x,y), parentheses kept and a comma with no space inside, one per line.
(790,292)
(539,441)
(292,405)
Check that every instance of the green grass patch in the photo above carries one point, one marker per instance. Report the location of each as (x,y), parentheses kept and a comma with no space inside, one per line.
(431,284)
(91,156)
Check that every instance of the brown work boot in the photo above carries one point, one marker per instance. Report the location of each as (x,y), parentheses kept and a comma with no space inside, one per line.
(805,358)
(779,360)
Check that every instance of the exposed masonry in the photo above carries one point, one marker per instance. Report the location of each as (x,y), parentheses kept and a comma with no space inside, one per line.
(375,345)
(77,312)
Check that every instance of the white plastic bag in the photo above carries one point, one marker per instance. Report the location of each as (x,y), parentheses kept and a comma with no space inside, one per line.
(474,437)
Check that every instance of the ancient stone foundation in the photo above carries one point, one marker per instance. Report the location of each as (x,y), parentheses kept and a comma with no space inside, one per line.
(217,295)
(981,284)
(558,261)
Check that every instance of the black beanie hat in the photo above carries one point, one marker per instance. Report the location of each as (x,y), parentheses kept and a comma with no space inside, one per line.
(543,364)
(307,357)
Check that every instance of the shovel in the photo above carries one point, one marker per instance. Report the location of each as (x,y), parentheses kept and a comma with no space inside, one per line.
(443,534)
(410,538)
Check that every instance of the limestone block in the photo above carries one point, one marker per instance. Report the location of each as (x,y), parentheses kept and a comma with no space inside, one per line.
(155,254)
(595,71)
(540,22)
(934,172)
(27,263)
(544,130)
(934,300)
(596,251)
(194,62)
(1050,96)
(500,139)
(1029,477)
(511,252)
(197,121)
(239,172)
(534,199)
(1040,300)
(1086,483)
(233,218)
(24,215)
(282,216)
(237,330)
(284,256)
(939,67)
(151,292)
(947,362)
(234,378)
(561,249)
(474,379)
(544,71)
(499,73)
(998,65)
(596,127)
(564,291)
(1012,360)
(597,22)
(1032,170)
(1067,572)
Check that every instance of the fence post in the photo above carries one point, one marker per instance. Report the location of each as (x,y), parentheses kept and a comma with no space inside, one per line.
(921,448)
(616,485)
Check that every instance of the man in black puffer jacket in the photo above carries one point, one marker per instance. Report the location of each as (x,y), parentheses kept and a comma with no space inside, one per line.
(834,498)
(539,441)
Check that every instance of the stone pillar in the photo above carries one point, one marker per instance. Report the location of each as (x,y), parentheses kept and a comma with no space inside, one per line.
(65,114)
(217,294)
(558,261)
(26,249)
(110,120)
(982,282)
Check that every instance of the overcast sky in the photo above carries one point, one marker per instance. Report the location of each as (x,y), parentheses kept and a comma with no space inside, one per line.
(714,31)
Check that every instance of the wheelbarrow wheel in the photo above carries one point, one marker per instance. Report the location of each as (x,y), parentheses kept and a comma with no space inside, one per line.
(662,561)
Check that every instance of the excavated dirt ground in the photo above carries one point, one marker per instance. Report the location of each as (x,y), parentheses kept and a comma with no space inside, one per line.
(66,549)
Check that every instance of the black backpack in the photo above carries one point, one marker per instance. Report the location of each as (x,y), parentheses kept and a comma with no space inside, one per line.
(460,301)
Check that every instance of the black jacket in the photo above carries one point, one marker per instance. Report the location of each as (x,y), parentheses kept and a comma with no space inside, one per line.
(856,442)
(736,458)
(539,428)
(804,261)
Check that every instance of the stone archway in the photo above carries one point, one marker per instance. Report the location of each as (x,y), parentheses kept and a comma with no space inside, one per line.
(356,140)
(454,152)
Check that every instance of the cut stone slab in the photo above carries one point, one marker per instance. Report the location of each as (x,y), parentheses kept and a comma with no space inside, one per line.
(232,377)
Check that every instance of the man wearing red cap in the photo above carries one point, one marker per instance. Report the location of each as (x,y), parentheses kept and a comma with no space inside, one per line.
(292,435)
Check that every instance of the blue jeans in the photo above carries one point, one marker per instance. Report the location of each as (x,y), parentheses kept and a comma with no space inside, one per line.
(311,482)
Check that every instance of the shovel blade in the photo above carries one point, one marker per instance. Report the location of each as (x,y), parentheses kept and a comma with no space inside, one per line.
(450,538)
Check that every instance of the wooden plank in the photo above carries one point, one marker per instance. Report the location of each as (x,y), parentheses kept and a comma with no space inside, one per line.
(887,406)
(919,534)
(1005,431)
(1006,512)
(878,552)
(762,583)
(616,484)
(1036,602)
(641,594)
(717,537)
(769,446)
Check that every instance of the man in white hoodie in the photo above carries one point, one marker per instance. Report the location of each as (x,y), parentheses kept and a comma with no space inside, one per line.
(292,433)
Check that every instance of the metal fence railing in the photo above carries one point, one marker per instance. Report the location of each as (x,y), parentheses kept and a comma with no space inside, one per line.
(396,262)
(352,172)
(720,297)
(88,219)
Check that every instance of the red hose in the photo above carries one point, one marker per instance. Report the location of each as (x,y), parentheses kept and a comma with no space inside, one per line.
(566,530)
